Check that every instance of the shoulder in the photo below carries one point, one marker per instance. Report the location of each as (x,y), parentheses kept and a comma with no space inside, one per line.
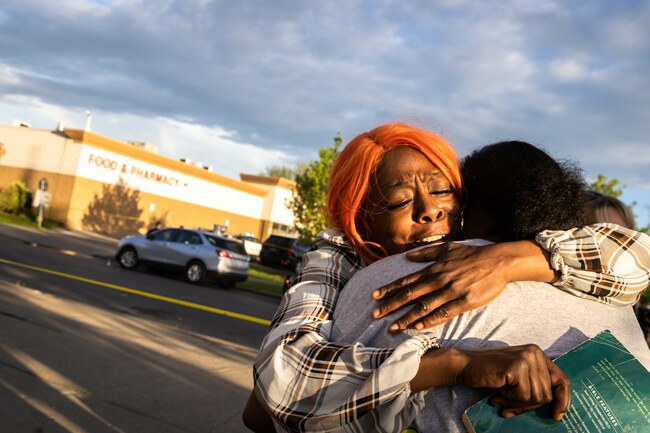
(335,242)
(332,260)
(332,237)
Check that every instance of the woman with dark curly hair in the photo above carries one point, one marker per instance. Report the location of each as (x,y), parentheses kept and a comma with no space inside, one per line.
(526,192)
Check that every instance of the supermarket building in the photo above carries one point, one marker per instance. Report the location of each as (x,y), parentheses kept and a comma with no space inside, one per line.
(113,187)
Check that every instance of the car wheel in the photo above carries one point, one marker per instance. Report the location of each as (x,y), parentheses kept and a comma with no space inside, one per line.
(195,272)
(128,258)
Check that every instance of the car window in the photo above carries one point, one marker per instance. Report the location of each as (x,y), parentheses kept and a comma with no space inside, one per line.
(188,237)
(227,244)
(213,241)
(168,235)
(237,247)
(247,238)
(281,241)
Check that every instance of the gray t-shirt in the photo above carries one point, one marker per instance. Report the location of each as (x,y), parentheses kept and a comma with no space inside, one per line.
(526,312)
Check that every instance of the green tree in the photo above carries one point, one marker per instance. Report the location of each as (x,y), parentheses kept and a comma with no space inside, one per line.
(285,171)
(309,205)
(607,186)
(280,171)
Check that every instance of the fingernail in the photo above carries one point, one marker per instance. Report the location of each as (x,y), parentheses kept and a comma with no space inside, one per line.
(375,313)
(394,327)
(419,326)
(375,294)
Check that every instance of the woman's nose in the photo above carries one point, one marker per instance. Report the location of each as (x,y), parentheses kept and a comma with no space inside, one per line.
(427,209)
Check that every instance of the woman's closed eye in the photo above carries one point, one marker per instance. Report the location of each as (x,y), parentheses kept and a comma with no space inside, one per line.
(403,203)
(442,192)
(399,205)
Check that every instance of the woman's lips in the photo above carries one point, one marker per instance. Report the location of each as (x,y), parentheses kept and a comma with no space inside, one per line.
(429,239)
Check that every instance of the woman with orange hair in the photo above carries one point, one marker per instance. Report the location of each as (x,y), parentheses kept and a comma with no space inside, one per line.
(392,189)
(348,201)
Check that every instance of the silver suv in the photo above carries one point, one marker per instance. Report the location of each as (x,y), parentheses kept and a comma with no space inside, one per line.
(197,253)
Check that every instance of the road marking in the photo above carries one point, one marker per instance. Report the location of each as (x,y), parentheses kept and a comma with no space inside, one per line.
(143,294)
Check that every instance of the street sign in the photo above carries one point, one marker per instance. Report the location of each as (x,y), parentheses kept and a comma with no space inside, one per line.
(47,199)
(42,197)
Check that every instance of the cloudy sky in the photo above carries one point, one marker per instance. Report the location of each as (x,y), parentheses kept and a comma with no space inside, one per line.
(243,85)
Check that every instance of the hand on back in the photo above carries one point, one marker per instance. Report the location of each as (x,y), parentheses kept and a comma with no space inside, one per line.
(460,278)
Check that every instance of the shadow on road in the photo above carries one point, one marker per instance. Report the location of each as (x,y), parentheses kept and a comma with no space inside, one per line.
(66,366)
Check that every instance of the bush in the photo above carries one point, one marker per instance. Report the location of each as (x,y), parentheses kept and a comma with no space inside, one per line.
(15,199)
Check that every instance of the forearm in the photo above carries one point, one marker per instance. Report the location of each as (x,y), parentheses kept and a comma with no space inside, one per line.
(524,374)
(606,263)
(602,262)
(438,367)
(526,261)
(321,386)
(307,383)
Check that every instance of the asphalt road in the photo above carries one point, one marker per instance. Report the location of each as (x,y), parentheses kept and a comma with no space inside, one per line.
(86,346)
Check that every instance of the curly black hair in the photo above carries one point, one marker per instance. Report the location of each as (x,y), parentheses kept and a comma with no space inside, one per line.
(521,191)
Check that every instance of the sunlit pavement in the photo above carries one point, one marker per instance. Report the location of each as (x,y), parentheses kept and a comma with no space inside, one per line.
(70,367)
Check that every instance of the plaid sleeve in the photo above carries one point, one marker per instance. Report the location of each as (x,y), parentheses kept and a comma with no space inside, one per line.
(310,384)
(603,262)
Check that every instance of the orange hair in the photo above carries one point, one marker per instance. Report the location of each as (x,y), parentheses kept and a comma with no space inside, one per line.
(351,173)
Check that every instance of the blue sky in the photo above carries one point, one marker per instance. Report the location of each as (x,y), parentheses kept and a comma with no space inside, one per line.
(242,85)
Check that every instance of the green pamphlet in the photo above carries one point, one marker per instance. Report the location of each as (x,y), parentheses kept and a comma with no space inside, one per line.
(610,392)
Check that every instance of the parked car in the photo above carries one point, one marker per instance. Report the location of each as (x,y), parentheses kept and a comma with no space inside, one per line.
(251,243)
(283,251)
(288,282)
(198,254)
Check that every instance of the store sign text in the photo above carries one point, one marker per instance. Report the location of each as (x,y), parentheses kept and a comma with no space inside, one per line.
(113,165)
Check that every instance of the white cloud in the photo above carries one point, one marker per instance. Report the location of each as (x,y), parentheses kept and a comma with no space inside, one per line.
(569,70)
(210,145)
(246,84)
(174,138)
(9,76)
(216,147)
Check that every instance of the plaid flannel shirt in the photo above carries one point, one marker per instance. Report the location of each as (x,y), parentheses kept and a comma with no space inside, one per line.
(310,384)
